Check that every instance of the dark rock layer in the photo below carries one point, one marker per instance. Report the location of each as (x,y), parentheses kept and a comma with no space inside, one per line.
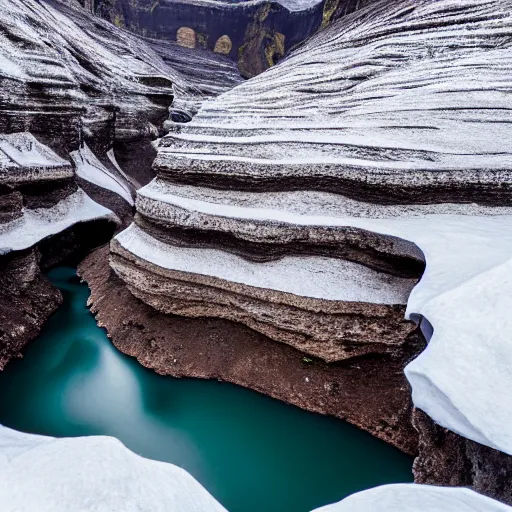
(260,33)
(446,458)
(27,299)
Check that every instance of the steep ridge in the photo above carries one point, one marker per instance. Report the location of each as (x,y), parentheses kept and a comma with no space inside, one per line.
(304,203)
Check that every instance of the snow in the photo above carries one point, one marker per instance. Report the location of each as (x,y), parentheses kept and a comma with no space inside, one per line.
(37,224)
(307,276)
(416,498)
(465,292)
(93,474)
(89,168)
(23,157)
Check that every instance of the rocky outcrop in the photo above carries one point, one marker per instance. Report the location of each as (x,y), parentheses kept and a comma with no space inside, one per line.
(70,78)
(376,107)
(370,392)
(46,219)
(27,299)
(255,34)
(446,458)
(78,97)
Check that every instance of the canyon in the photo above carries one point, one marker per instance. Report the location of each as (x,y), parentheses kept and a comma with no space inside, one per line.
(334,232)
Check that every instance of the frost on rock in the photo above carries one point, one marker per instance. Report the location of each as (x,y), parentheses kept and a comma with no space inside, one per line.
(64,72)
(35,225)
(94,473)
(88,167)
(378,106)
(382,143)
(416,498)
(24,159)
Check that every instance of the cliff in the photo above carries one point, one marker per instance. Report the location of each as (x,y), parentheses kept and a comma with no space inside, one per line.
(304,203)
(255,33)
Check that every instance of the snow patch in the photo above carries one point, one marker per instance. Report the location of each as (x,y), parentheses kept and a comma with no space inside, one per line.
(96,473)
(416,498)
(37,224)
(89,168)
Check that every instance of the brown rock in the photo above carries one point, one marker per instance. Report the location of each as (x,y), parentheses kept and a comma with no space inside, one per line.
(445,458)
(370,392)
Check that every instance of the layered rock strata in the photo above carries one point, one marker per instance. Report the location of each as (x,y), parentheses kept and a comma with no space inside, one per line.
(327,182)
(377,107)
(70,78)
(370,392)
(78,97)
(46,219)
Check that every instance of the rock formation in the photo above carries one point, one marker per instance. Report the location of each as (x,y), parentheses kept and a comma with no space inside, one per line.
(77,95)
(46,218)
(255,33)
(315,223)
(70,78)
(304,202)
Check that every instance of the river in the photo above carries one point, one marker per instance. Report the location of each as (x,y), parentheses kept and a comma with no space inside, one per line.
(251,452)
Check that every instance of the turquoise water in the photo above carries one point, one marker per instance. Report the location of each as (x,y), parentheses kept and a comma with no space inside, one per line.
(251,452)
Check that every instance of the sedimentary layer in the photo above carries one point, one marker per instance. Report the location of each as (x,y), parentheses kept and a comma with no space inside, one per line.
(378,107)
(332,309)
(69,77)
(46,219)
(370,392)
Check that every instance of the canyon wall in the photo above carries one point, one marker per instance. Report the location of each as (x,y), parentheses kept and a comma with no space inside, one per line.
(255,34)
(305,203)
(81,103)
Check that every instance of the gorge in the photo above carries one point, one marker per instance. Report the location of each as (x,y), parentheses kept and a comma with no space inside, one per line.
(333,232)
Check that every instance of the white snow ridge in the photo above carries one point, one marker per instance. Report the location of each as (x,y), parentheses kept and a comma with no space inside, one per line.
(91,474)
(416,498)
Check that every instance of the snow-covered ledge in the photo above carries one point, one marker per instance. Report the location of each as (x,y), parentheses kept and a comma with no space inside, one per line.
(37,224)
(463,379)
(416,498)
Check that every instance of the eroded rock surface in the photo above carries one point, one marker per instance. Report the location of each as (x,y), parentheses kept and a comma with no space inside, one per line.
(47,219)
(81,106)
(255,34)
(69,78)
(376,147)
(370,392)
